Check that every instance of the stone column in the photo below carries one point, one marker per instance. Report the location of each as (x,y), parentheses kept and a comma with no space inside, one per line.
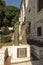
(20,33)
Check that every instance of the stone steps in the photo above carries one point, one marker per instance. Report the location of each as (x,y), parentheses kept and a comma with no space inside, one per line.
(36,62)
(28,63)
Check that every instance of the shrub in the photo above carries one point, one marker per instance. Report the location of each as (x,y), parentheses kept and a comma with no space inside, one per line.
(6,38)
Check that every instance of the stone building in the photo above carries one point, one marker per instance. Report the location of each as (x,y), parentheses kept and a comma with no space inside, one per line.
(32,13)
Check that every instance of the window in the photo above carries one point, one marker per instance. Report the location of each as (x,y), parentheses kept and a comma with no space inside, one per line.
(29,10)
(39,31)
(40,5)
(29,27)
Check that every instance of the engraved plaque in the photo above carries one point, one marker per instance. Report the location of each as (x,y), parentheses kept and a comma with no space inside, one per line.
(21,52)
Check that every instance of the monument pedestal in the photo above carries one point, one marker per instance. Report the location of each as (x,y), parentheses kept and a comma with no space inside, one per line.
(20,53)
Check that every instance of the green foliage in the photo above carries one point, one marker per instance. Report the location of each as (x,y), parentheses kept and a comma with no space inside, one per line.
(12,14)
(5,38)
(2,15)
(2,3)
(9,15)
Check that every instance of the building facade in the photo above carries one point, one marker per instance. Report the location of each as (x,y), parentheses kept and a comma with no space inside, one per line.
(32,13)
(34,16)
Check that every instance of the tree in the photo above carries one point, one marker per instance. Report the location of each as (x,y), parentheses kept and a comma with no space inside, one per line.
(2,3)
(2,12)
(8,15)
(2,15)
(12,15)
(6,22)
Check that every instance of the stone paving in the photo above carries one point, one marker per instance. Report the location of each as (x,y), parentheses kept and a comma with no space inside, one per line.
(41,61)
(34,62)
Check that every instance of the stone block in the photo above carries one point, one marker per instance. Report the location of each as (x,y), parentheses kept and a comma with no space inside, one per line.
(3,55)
(37,51)
(20,53)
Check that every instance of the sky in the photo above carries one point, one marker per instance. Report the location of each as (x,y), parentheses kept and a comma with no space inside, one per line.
(13,3)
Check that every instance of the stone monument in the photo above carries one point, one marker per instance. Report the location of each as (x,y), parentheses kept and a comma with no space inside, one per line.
(20,52)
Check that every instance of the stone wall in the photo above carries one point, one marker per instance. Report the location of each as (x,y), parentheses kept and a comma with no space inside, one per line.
(36,19)
(20,53)
(29,13)
(37,51)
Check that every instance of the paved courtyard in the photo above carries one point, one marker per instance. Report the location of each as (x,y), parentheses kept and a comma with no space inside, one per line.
(33,62)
